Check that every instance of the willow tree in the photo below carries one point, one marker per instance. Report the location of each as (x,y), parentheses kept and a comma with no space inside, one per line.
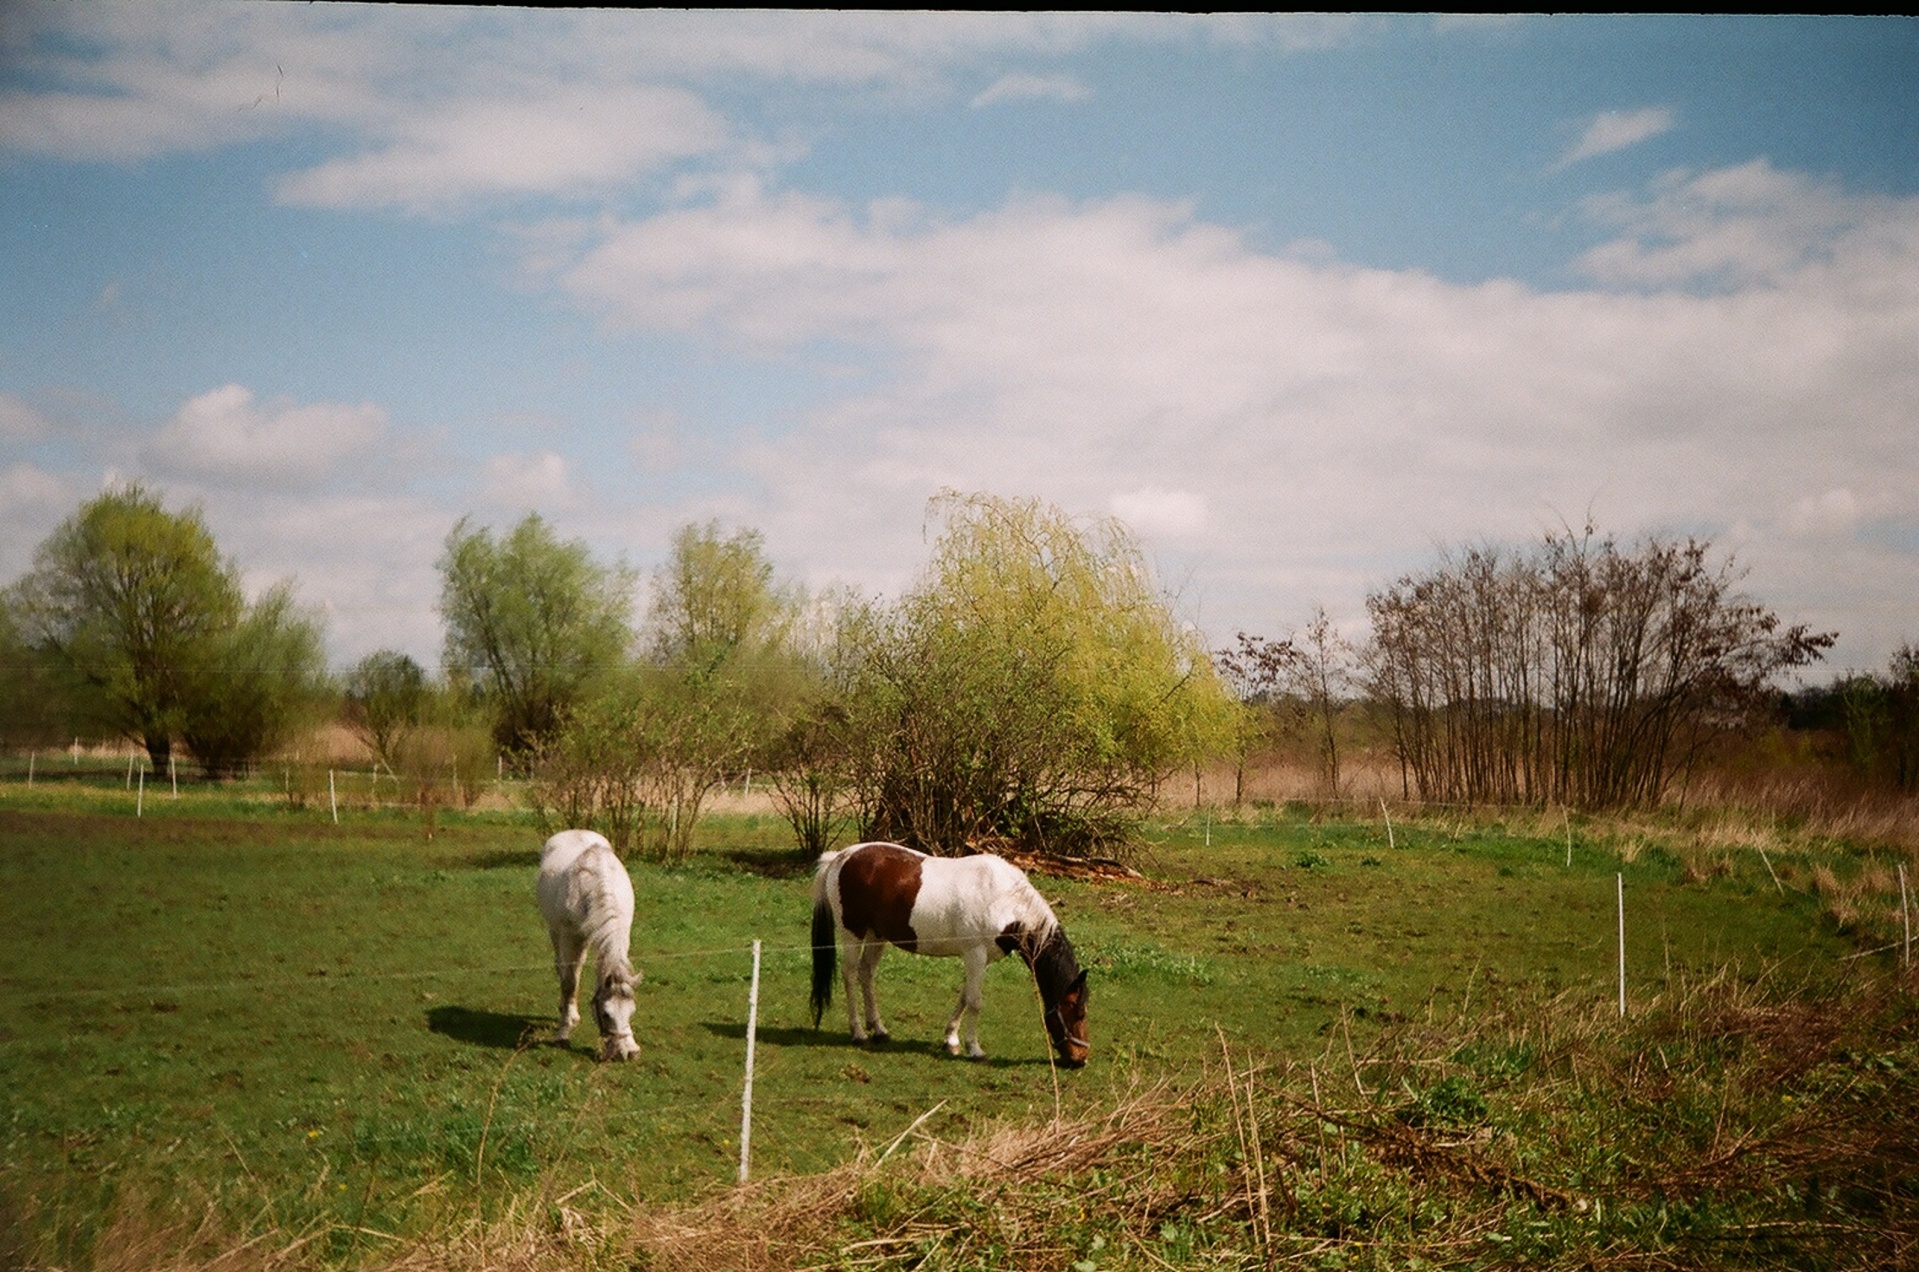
(136,606)
(1034,687)
(533,621)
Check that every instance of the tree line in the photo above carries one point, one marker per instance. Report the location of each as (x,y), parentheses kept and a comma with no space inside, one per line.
(1032,686)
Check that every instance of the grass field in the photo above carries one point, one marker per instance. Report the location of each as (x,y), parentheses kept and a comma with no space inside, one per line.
(328,1039)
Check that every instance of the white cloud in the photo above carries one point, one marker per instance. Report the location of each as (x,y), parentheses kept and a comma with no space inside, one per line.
(1287,429)
(1748,224)
(1835,512)
(436,107)
(565,140)
(541,481)
(1614,130)
(20,422)
(228,435)
(1024,86)
(32,502)
(1153,512)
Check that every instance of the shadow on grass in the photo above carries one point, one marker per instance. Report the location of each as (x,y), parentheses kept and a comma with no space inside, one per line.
(768,863)
(800,1036)
(503,859)
(506,1030)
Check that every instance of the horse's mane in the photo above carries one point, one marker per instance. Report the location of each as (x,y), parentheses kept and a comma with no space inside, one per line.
(1055,966)
(609,928)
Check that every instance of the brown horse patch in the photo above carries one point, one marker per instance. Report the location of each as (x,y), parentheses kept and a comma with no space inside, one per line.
(878,886)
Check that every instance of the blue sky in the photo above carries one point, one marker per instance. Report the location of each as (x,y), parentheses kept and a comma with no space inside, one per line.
(1299,299)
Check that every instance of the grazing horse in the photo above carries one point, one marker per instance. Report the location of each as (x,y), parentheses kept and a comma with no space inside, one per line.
(587,901)
(978,909)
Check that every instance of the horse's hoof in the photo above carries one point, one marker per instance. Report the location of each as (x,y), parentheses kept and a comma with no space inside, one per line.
(881,1036)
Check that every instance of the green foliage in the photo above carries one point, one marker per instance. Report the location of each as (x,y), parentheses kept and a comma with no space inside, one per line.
(132,599)
(386,695)
(723,676)
(136,604)
(715,602)
(37,699)
(1881,715)
(1033,687)
(264,678)
(534,622)
(639,758)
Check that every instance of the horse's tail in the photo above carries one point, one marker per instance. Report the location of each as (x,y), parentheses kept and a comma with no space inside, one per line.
(825,944)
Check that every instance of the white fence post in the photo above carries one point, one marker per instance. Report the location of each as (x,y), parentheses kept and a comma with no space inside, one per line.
(746,1097)
(332,798)
(1622,944)
(140,802)
(1905,918)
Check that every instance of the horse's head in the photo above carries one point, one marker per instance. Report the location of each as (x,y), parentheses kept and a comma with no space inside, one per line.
(1062,987)
(613,1014)
(1066,1022)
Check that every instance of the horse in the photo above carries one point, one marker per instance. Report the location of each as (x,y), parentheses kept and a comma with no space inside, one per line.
(587,901)
(978,909)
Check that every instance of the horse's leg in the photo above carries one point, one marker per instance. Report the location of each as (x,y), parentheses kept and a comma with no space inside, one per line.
(854,978)
(969,1002)
(869,963)
(568,954)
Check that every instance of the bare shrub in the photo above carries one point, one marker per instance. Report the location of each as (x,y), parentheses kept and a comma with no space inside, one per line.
(1579,671)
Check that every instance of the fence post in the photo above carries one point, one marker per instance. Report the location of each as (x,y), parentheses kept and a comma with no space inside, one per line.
(140,802)
(332,798)
(746,1097)
(1622,944)
(1905,918)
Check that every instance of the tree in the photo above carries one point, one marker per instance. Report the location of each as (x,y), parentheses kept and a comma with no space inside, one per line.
(386,695)
(715,602)
(1580,671)
(639,757)
(1033,687)
(37,701)
(533,621)
(262,676)
(1880,715)
(723,673)
(133,600)
(1300,682)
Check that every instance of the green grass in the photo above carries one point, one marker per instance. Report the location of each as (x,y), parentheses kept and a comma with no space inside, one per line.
(232,1006)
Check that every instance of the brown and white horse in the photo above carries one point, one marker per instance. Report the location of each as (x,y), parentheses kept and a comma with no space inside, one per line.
(587,901)
(977,909)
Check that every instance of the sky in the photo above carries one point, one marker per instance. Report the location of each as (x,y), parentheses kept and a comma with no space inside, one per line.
(1301,300)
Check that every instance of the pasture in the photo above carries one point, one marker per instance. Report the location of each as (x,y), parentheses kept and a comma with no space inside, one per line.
(332,1040)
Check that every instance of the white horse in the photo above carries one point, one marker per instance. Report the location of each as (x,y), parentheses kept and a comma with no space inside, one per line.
(978,909)
(587,901)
